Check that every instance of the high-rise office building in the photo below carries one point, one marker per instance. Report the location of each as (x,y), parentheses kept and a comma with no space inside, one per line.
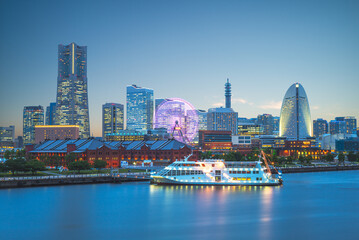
(351,124)
(227,93)
(139,108)
(158,102)
(222,119)
(337,127)
(320,127)
(33,115)
(112,118)
(72,98)
(266,120)
(50,114)
(202,119)
(276,125)
(7,136)
(295,121)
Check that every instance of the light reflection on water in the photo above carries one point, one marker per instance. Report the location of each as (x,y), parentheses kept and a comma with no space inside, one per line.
(301,209)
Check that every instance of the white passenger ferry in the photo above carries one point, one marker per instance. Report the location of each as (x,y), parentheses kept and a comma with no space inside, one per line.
(216,172)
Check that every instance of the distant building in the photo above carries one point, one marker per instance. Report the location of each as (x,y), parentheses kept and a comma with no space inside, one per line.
(295,121)
(250,129)
(32,116)
(320,127)
(158,102)
(19,142)
(50,114)
(56,132)
(222,119)
(72,98)
(227,93)
(349,145)
(112,118)
(337,127)
(241,140)
(215,140)
(276,125)
(266,120)
(7,136)
(351,124)
(202,119)
(126,135)
(139,108)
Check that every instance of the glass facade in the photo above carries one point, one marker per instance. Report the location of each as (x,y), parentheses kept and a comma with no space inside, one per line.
(320,127)
(33,115)
(112,118)
(139,108)
(267,121)
(222,119)
(50,114)
(72,98)
(7,134)
(295,121)
(337,127)
(351,124)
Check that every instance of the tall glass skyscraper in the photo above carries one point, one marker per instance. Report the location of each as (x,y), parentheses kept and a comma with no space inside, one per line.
(295,121)
(112,118)
(33,115)
(139,108)
(222,119)
(72,99)
(50,114)
(320,127)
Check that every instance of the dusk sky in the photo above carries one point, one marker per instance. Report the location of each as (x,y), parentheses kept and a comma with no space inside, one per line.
(184,49)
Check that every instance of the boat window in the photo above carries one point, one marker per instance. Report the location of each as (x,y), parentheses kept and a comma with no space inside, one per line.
(248,179)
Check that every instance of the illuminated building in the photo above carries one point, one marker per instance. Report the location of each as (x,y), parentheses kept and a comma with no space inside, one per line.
(250,129)
(351,124)
(33,115)
(227,93)
(215,140)
(50,114)
(305,148)
(161,152)
(139,108)
(295,121)
(202,119)
(7,136)
(72,98)
(126,135)
(222,119)
(337,127)
(276,125)
(56,132)
(112,118)
(320,127)
(266,120)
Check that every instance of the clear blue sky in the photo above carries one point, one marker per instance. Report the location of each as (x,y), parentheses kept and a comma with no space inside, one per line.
(184,49)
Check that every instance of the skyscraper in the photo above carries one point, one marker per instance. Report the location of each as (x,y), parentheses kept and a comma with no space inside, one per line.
(337,127)
(320,127)
(295,121)
(222,119)
(7,136)
(227,93)
(50,114)
(202,119)
(72,99)
(351,124)
(276,125)
(139,108)
(266,120)
(33,115)
(112,118)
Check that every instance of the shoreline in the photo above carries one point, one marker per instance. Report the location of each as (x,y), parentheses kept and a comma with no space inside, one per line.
(25,182)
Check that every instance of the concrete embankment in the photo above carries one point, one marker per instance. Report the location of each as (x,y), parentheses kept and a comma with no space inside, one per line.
(317,169)
(17,182)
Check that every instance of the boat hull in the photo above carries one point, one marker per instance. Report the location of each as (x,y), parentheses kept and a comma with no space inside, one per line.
(166,181)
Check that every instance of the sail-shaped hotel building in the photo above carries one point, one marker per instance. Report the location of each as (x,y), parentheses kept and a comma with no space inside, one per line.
(295,119)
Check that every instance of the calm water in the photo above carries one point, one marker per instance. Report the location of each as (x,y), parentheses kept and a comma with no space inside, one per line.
(308,206)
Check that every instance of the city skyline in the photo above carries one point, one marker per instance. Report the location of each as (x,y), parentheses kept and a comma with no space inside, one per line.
(189,56)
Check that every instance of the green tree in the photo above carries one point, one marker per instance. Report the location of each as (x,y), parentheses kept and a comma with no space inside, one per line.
(205,155)
(329,157)
(79,165)
(69,158)
(3,167)
(99,164)
(35,165)
(16,165)
(352,157)
(341,158)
